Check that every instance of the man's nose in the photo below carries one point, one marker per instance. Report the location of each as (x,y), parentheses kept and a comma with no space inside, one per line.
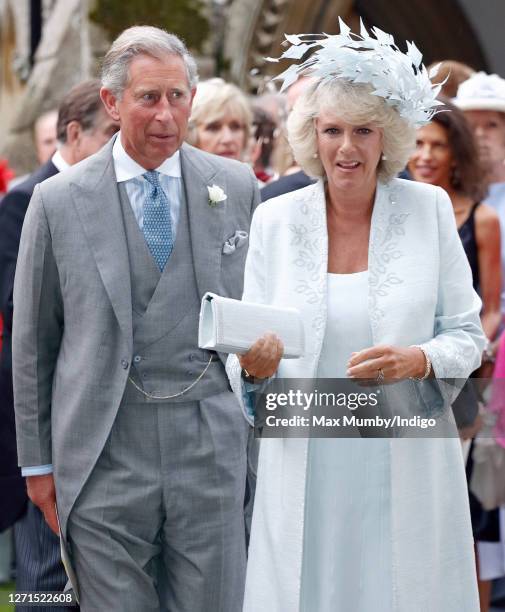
(164,110)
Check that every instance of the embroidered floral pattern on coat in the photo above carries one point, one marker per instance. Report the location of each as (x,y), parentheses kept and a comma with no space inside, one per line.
(385,237)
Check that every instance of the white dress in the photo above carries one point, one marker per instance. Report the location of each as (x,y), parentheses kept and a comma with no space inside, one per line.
(347,536)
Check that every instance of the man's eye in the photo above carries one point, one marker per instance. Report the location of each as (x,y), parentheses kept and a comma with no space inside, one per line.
(149,97)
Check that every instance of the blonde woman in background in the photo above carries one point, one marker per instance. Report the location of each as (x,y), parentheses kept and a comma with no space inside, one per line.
(221,119)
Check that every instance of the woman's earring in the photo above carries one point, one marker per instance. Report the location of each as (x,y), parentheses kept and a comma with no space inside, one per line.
(383,157)
(315,156)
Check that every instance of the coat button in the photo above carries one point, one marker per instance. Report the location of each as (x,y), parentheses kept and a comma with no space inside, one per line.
(137,359)
(124,363)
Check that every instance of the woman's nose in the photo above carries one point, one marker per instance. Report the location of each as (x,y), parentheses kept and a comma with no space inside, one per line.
(424,151)
(479,132)
(347,142)
(226,134)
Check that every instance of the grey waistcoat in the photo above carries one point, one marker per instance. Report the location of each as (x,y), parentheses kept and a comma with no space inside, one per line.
(165,307)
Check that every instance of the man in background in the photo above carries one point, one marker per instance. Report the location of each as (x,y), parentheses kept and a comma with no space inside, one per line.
(44,141)
(293,177)
(83,127)
(44,135)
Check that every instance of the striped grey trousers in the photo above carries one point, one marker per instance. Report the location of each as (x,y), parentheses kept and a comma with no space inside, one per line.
(38,561)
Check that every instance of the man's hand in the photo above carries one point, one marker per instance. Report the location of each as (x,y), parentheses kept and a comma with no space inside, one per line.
(42,492)
(262,359)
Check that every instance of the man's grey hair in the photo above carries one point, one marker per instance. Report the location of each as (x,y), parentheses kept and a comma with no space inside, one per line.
(142,40)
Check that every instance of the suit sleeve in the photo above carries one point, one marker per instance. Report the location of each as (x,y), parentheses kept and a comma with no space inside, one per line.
(456,348)
(37,333)
(256,198)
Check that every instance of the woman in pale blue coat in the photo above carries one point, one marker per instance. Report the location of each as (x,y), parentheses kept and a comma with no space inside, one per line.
(375,266)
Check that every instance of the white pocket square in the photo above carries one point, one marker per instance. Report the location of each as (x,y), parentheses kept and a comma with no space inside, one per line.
(236,241)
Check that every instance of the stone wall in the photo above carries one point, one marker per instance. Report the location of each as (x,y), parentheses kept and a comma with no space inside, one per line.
(67,54)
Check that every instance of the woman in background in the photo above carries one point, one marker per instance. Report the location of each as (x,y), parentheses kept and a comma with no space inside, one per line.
(446,156)
(221,119)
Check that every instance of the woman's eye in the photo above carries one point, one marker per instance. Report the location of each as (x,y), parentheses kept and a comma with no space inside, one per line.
(331,131)
(364,131)
(213,127)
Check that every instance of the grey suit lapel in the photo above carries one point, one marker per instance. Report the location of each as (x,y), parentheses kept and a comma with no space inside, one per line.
(206,223)
(96,199)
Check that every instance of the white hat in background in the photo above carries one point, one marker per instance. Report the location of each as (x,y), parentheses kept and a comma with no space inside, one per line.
(481,91)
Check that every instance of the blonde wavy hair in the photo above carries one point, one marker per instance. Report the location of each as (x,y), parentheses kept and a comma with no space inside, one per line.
(354,103)
(214,100)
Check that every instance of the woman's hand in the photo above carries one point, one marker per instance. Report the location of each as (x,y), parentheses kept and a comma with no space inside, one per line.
(262,359)
(395,362)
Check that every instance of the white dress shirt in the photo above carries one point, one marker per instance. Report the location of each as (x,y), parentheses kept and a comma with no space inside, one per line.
(59,162)
(129,172)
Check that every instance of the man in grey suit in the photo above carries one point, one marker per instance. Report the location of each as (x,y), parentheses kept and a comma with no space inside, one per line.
(144,440)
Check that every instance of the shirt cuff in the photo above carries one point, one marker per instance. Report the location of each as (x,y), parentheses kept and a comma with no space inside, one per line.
(249,390)
(37,470)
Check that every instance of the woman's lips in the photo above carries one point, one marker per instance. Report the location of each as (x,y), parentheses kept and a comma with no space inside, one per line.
(425,171)
(228,153)
(348,166)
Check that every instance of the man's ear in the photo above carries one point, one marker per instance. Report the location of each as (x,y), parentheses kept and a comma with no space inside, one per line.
(74,131)
(110,102)
(193,92)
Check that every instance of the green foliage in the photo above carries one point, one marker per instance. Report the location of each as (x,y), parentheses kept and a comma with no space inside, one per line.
(5,589)
(182,17)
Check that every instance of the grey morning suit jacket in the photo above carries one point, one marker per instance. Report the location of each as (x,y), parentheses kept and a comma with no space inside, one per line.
(72,338)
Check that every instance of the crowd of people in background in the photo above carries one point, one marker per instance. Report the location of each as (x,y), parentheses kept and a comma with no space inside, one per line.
(462,150)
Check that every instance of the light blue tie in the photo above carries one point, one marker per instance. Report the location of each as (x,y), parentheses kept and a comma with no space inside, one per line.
(157,226)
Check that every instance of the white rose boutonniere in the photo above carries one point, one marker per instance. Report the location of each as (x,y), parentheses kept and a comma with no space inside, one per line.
(216,195)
